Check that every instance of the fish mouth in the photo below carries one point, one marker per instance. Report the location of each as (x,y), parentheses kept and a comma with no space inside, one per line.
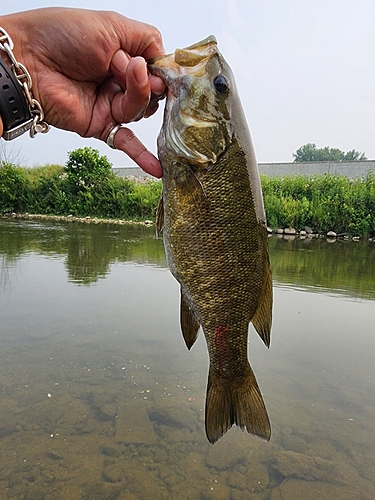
(188,61)
(191,48)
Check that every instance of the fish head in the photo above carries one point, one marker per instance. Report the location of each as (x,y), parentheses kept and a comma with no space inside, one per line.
(197,118)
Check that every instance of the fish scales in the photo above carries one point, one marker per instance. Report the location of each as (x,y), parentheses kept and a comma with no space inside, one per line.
(215,235)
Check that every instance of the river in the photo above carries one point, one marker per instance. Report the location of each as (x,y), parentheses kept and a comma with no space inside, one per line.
(101,400)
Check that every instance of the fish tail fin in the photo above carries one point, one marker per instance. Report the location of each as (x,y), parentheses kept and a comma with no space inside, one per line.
(237,401)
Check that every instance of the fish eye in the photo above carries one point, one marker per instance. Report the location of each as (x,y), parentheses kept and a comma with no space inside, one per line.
(221,84)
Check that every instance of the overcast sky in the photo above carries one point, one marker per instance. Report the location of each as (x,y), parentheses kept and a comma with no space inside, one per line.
(305,70)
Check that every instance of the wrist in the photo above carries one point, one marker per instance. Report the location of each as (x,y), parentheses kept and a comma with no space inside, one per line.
(19,110)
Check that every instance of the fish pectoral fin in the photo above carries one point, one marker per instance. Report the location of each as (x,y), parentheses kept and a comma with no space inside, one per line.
(237,401)
(192,188)
(189,323)
(160,216)
(262,319)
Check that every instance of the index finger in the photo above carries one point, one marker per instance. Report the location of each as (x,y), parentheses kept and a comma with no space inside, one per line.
(139,39)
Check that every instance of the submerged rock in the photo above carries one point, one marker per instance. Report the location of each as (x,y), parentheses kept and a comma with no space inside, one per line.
(290,464)
(133,424)
(306,490)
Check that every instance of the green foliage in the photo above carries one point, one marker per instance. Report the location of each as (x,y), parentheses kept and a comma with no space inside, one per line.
(85,168)
(309,152)
(86,186)
(13,190)
(327,202)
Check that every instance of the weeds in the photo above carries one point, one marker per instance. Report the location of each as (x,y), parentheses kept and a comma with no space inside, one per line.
(86,186)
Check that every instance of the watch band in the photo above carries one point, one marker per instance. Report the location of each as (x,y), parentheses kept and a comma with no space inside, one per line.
(14,110)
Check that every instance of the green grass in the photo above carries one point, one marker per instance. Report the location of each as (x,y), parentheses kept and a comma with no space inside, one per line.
(324,203)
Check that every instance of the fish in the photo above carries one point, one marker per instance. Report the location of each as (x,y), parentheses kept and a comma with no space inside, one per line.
(212,216)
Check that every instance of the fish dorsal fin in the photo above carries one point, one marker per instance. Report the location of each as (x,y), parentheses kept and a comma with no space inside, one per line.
(189,323)
(262,319)
(160,216)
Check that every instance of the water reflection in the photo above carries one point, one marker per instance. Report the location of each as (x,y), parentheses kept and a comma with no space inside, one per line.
(101,400)
(343,267)
(89,251)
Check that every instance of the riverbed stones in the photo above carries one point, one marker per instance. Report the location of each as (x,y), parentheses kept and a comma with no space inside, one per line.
(292,489)
(231,450)
(331,234)
(175,416)
(133,424)
(292,464)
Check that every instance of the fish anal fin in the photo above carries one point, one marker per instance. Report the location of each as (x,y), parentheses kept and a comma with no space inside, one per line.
(237,401)
(189,323)
(160,216)
(262,319)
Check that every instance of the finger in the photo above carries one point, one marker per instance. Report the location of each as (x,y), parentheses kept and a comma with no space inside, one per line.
(131,105)
(126,141)
(158,87)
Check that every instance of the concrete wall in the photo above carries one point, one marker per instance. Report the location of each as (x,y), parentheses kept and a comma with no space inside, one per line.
(351,169)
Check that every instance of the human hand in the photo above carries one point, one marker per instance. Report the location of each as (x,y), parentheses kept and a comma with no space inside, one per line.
(89,72)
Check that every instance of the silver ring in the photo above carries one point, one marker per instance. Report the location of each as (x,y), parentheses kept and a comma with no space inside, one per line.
(111,135)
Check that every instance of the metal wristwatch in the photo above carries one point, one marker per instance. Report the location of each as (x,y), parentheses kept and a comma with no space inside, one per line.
(19,110)
(14,109)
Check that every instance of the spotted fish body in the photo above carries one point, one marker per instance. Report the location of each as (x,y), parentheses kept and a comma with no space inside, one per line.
(214,229)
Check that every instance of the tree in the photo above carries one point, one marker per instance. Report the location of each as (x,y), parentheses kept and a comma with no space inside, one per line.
(309,152)
(85,167)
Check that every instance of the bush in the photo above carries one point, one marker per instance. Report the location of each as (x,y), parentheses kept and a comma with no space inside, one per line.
(13,189)
(86,186)
(326,202)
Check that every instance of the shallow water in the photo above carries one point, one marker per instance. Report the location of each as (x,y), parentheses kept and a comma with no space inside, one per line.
(100,398)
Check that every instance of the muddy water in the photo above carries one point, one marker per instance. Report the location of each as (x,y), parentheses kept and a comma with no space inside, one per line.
(100,400)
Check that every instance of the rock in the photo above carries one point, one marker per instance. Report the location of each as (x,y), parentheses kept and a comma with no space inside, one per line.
(257,478)
(237,480)
(308,230)
(133,424)
(296,488)
(303,233)
(356,238)
(177,417)
(109,451)
(102,491)
(331,234)
(298,465)
(279,231)
(112,474)
(290,230)
(226,454)
(269,230)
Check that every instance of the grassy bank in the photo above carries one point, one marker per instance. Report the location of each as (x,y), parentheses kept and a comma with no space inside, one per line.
(326,202)
(321,202)
(50,190)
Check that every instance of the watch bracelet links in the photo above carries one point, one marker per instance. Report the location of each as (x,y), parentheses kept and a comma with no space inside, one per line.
(14,109)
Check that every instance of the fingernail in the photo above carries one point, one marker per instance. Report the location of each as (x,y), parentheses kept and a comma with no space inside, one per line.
(140,72)
(120,61)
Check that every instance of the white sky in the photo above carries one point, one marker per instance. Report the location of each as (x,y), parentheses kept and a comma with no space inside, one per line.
(305,70)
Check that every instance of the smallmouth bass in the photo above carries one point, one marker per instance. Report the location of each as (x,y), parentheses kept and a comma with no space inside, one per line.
(214,229)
